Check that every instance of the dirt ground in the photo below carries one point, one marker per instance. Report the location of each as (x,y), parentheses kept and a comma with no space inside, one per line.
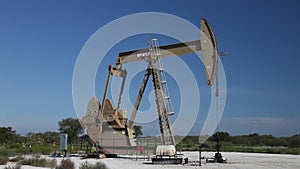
(234,160)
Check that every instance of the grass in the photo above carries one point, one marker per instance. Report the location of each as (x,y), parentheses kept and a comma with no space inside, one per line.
(98,165)
(44,149)
(13,167)
(39,162)
(51,163)
(6,152)
(15,149)
(66,164)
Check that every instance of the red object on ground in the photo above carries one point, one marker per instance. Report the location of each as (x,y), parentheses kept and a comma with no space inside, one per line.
(139,148)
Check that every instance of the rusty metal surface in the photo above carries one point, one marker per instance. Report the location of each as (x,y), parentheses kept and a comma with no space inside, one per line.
(94,128)
(108,125)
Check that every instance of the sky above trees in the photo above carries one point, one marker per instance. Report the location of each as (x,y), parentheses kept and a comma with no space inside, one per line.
(40,42)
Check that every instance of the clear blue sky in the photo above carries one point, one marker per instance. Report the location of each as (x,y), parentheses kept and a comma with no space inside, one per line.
(40,42)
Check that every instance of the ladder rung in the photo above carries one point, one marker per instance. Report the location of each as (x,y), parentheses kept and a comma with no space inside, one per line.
(171,113)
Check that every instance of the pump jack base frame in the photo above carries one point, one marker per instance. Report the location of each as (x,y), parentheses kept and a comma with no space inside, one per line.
(218,158)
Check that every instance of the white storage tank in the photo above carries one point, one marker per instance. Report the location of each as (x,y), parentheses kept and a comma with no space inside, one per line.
(166,150)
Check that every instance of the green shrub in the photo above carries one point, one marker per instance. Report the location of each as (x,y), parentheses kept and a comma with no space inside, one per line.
(7,152)
(22,150)
(98,165)
(66,164)
(4,160)
(42,149)
(46,150)
(14,146)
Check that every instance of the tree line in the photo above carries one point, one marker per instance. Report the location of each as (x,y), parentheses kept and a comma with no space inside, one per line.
(71,126)
(244,143)
(75,132)
(257,140)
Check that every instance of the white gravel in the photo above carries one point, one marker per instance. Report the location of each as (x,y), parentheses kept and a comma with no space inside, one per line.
(234,160)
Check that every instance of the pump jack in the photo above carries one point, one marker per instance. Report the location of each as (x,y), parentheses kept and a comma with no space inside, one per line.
(106,123)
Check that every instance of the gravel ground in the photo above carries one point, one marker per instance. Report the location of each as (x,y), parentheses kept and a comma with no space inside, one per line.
(234,160)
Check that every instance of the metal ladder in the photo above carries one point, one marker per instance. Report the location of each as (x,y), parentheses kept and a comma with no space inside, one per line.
(164,106)
(162,74)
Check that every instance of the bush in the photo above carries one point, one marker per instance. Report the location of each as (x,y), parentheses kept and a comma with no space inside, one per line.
(13,167)
(51,163)
(23,150)
(16,159)
(66,164)
(7,152)
(14,146)
(3,160)
(84,165)
(43,149)
(98,165)
(39,162)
